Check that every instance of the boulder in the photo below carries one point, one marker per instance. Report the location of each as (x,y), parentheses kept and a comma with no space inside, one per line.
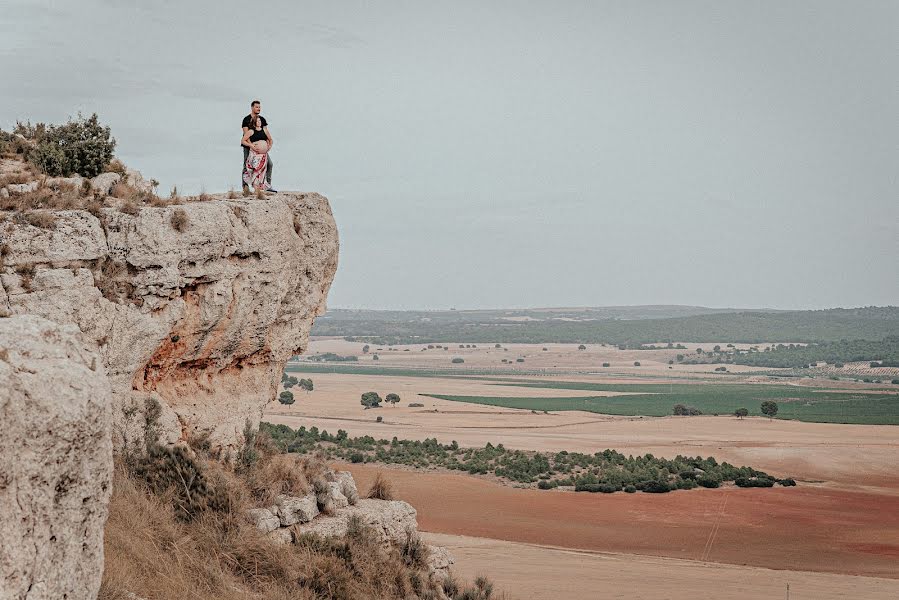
(292,510)
(134,178)
(58,183)
(389,519)
(23,188)
(439,560)
(4,193)
(281,536)
(347,486)
(263,519)
(338,500)
(55,460)
(104,182)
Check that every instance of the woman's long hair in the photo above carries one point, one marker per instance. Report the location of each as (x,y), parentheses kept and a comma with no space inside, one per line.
(254,120)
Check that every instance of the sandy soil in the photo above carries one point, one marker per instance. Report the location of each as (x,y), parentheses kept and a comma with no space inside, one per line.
(544,573)
(805,528)
(846,455)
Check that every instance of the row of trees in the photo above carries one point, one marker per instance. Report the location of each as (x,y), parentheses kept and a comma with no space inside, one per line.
(289,381)
(769,408)
(373,399)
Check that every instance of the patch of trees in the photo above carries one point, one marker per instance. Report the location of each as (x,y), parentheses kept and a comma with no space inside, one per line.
(80,146)
(682,410)
(885,352)
(332,357)
(604,472)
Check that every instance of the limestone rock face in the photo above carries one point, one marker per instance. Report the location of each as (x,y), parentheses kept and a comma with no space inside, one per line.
(292,510)
(263,519)
(55,460)
(389,519)
(347,486)
(104,182)
(201,320)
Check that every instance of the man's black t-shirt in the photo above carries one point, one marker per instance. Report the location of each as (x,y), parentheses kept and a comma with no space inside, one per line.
(256,136)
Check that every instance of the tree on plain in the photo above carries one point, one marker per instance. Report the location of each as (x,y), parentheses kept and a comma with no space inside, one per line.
(392,398)
(371,400)
(741,412)
(286,398)
(769,408)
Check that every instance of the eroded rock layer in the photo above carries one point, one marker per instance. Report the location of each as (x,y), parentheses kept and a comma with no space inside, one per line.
(196,305)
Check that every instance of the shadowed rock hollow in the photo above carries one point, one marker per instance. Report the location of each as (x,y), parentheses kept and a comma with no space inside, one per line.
(196,305)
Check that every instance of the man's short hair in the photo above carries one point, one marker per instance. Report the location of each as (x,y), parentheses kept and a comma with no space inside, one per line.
(254,103)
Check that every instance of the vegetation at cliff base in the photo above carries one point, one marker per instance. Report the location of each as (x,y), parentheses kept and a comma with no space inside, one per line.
(606,471)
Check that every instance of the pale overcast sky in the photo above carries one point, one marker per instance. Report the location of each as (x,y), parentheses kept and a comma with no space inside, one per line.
(516,154)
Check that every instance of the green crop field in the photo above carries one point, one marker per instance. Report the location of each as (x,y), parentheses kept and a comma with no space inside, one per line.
(799,403)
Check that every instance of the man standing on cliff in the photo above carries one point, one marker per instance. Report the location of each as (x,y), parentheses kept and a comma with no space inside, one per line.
(258,126)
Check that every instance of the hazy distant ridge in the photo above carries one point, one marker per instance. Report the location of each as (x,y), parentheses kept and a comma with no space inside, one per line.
(617,325)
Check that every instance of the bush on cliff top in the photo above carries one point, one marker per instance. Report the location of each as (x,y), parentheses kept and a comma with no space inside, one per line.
(80,146)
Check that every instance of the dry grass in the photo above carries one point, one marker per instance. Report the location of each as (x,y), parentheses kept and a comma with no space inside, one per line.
(41,219)
(232,195)
(130,207)
(116,166)
(26,276)
(282,474)
(14,178)
(179,220)
(260,195)
(218,555)
(380,489)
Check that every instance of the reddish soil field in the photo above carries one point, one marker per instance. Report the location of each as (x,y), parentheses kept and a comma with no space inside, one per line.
(807,528)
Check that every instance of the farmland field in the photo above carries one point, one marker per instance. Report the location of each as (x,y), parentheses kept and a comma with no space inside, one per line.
(656,400)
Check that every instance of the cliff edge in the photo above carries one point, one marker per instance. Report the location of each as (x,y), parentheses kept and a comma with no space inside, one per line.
(198,305)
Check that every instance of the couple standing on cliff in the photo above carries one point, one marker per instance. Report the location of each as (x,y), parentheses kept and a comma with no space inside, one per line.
(257,143)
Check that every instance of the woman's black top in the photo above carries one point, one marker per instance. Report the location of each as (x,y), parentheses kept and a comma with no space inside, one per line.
(258,135)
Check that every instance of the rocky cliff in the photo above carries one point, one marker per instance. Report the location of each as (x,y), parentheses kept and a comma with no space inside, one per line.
(55,460)
(197,305)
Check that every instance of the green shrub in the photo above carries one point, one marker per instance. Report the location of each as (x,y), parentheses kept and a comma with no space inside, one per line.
(750,482)
(630,489)
(606,364)
(172,470)
(708,481)
(457,361)
(81,146)
(356,457)
(49,158)
(656,487)
(787,482)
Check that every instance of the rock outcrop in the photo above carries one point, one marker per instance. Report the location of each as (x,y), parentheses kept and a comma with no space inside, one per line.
(197,306)
(56,466)
(392,521)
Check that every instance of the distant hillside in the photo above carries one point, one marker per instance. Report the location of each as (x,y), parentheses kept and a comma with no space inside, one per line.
(584,325)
